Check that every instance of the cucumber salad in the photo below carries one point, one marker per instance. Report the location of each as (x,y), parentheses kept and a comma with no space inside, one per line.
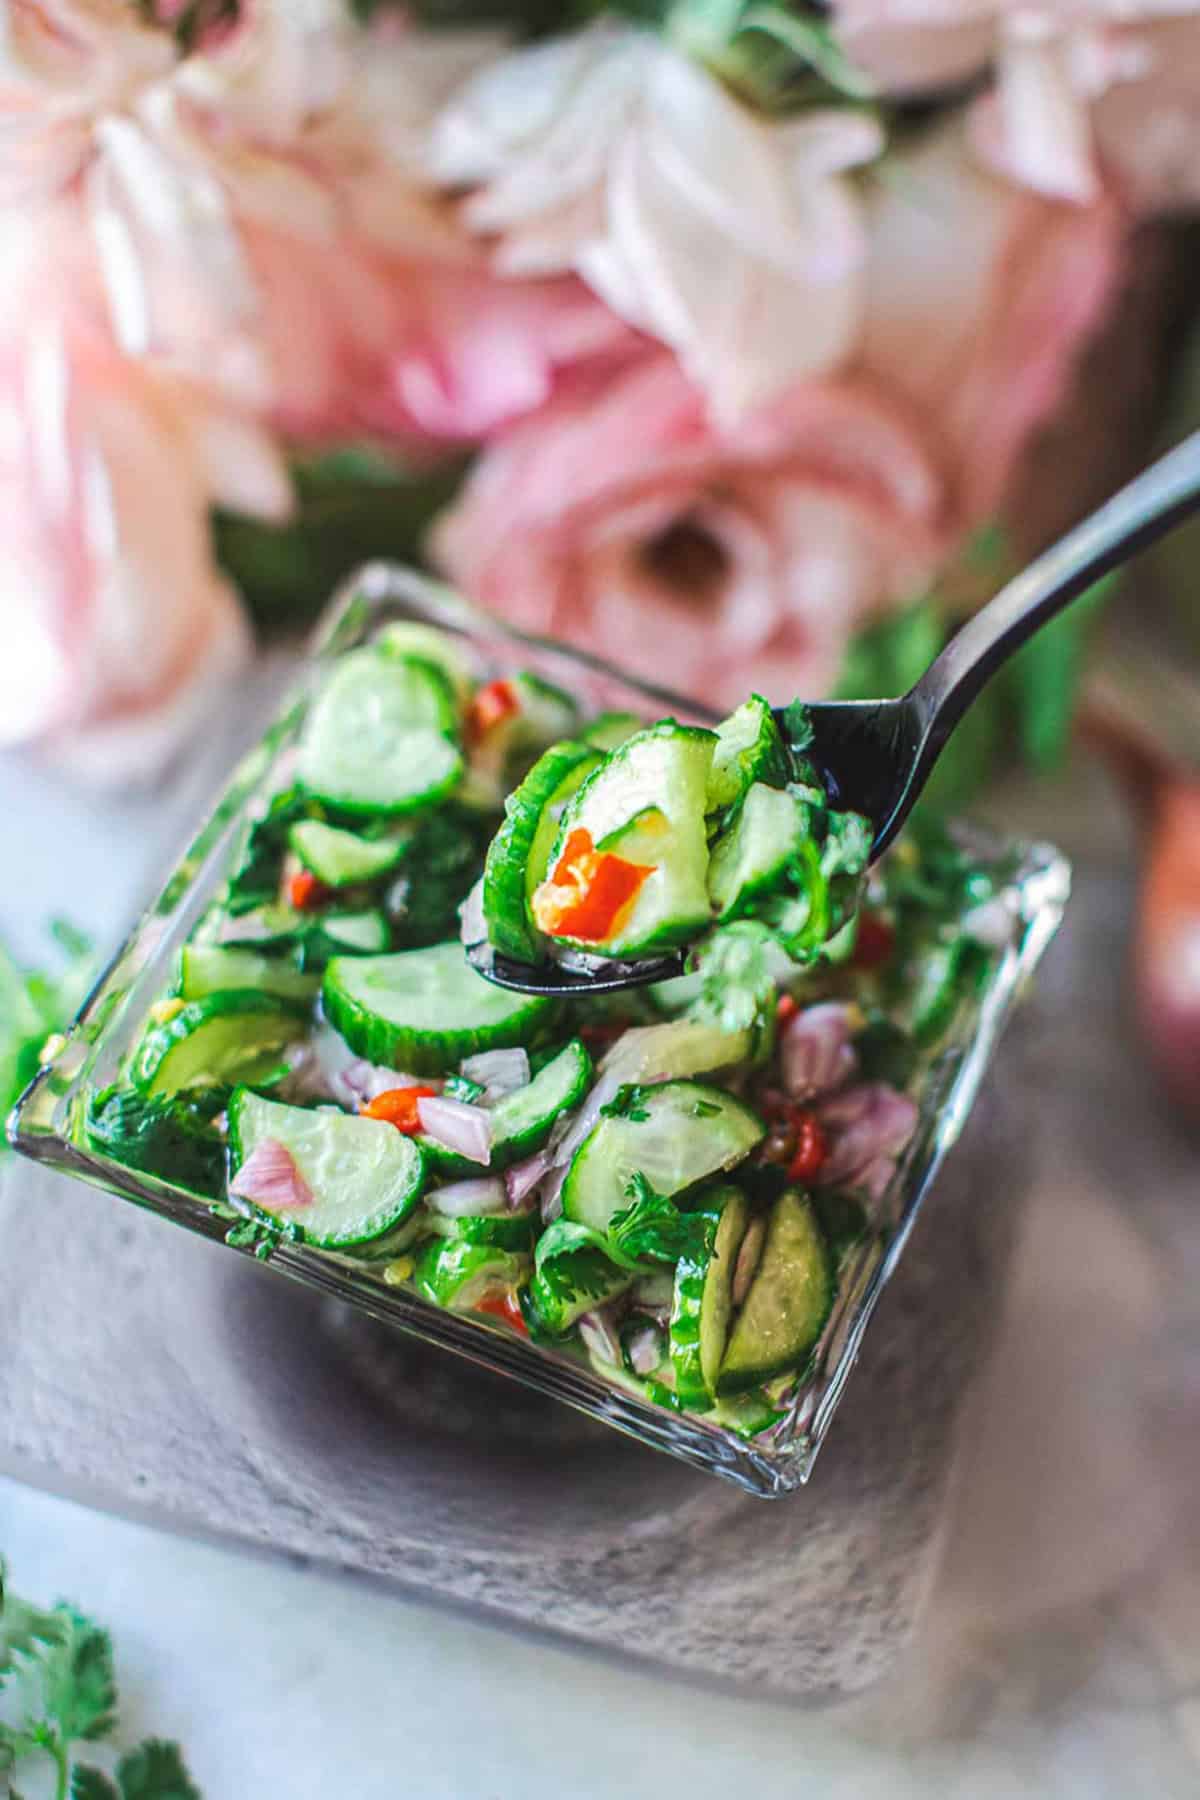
(668,1184)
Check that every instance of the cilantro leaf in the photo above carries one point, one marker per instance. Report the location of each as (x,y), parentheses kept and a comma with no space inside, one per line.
(25,1630)
(652,1228)
(797,726)
(155,1771)
(573,1268)
(740,966)
(88,1783)
(79,1681)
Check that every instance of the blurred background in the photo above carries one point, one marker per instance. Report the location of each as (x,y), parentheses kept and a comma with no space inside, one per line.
(748,342)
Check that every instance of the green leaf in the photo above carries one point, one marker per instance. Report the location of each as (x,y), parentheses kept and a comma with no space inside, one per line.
(155,1771)
(25,1631)
(796,726)
(92,1784)
(653,1229)
(80,1683)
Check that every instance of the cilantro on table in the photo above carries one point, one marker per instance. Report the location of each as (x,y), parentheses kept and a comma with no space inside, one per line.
(34,1004)
(58,1691)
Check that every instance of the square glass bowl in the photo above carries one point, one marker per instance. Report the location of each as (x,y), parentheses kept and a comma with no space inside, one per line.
(48,1123)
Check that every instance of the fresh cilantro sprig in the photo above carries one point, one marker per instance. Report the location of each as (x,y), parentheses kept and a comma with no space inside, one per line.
(58,1690)
(652,1228)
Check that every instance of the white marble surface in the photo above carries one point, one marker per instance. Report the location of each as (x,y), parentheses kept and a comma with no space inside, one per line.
(1061,1654)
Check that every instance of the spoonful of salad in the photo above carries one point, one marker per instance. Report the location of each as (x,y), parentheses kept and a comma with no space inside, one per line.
(616,860)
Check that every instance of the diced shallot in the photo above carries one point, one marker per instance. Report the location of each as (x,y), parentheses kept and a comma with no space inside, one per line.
(498,1072)
(466,1199)
(864,1125)
(457,1126)
(646,1350)
(596,1330)
(523,1177)
(270,1178)
(473,929)
(348,1079)
(815,1052)
(550,1194)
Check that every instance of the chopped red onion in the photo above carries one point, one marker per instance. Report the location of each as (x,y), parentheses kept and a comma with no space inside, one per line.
(646,1350)
(473,927)
(347,1077)
(270,1178)
(991,923)
(597,1332)
(815,1052)
(523,1177)
(550,1194)
(498,1072)
(457,1126)
(466,1199)
(864,1124)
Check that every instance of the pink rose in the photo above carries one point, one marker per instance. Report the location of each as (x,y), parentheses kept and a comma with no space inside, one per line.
(115,623)
(1084,92)
(725,559)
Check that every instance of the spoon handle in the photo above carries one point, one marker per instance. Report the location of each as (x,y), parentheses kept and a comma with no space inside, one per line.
(1135,517)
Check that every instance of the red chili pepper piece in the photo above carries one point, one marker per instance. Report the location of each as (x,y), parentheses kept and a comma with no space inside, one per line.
(785,1010)
(589,891)
(812,1147)
(305,892)
(398,1107)
(504,1306)
(494,702)
(874,943)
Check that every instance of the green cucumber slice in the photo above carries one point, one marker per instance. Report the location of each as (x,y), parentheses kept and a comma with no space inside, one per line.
(789,1301)
(544,714)
(703,1298)
(675,1134)
(665,767)
(215,969)
(425,1010)
(226,1037)
(408,638)
(609,730)
(500,1231)
(519,853)
(380,736)
(365,931)
(524,1119)
(679,1047)
(457,1274)
(366,1177)
(749,748)
(342,858)
(754,849)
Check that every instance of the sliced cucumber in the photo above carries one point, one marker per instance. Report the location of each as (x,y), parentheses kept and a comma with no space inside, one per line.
(407,638)
(665,768)
(703,1298)
(225,1037)
(542,715)
(754,849)
(675,1134)
(365,931)
(679,1047)
(519,853)
(381,735)
(213,969)
(609,730)
(524,1119)
(425,1010)
(501,1231)
(642,838)
(364,1175)
(457,1274)
(789,1300)
(749,748)
(341,858)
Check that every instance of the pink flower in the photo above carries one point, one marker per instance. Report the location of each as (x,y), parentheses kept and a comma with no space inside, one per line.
(115,624)
(734,238)
(1084,89)
(725,559)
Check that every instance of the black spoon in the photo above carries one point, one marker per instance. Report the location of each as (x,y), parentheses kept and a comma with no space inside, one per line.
(875,756)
